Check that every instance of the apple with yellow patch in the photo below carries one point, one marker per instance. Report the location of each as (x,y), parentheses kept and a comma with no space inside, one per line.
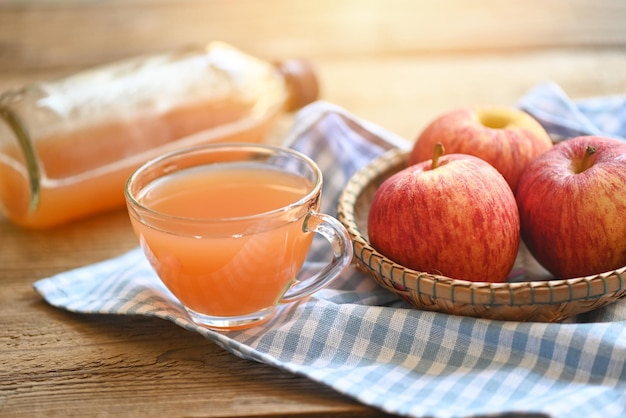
(506,137)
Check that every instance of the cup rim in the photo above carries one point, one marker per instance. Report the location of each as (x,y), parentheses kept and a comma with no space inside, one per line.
(147,165)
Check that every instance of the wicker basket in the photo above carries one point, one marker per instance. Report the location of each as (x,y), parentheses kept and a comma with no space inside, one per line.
(545,300)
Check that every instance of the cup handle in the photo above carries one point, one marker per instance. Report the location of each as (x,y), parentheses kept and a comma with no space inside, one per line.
(331,229)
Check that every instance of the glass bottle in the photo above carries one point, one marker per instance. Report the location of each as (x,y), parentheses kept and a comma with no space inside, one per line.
(67,146)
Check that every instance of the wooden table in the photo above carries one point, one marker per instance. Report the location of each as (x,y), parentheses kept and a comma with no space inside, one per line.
(396,63)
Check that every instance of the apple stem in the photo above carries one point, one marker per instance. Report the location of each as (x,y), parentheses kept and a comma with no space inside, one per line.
(438,152)
(589,151)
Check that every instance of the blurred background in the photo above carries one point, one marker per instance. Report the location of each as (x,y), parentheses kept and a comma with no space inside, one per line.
(397,63)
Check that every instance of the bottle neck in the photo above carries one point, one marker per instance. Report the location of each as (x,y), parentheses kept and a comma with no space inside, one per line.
(301,80)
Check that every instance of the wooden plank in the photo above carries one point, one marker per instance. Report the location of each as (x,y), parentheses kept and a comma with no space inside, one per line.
(70,33)
(403,93)
(83,365)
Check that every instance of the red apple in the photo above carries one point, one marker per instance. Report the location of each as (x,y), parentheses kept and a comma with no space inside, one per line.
(454,215)
(572,204)
(505,137)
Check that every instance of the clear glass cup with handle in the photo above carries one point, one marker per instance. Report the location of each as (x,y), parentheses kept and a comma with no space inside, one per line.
(227,227)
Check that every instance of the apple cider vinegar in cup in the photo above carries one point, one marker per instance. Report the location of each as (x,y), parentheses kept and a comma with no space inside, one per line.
(227,227)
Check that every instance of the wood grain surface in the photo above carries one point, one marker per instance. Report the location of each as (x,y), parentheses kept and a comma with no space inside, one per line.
(396,63)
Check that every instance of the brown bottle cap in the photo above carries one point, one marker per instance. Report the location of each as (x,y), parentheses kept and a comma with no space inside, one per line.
(301,82)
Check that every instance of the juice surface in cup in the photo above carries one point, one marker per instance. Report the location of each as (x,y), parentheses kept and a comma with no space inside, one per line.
(235,263)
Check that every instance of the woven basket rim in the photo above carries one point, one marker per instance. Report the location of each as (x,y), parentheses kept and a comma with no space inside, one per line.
(401,279)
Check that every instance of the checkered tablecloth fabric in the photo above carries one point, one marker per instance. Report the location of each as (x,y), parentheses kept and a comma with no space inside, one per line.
(364,342)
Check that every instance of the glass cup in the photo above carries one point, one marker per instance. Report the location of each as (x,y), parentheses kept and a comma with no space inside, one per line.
(227,227)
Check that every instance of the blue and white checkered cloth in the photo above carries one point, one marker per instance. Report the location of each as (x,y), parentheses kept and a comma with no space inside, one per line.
(364,342)
(564,118)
